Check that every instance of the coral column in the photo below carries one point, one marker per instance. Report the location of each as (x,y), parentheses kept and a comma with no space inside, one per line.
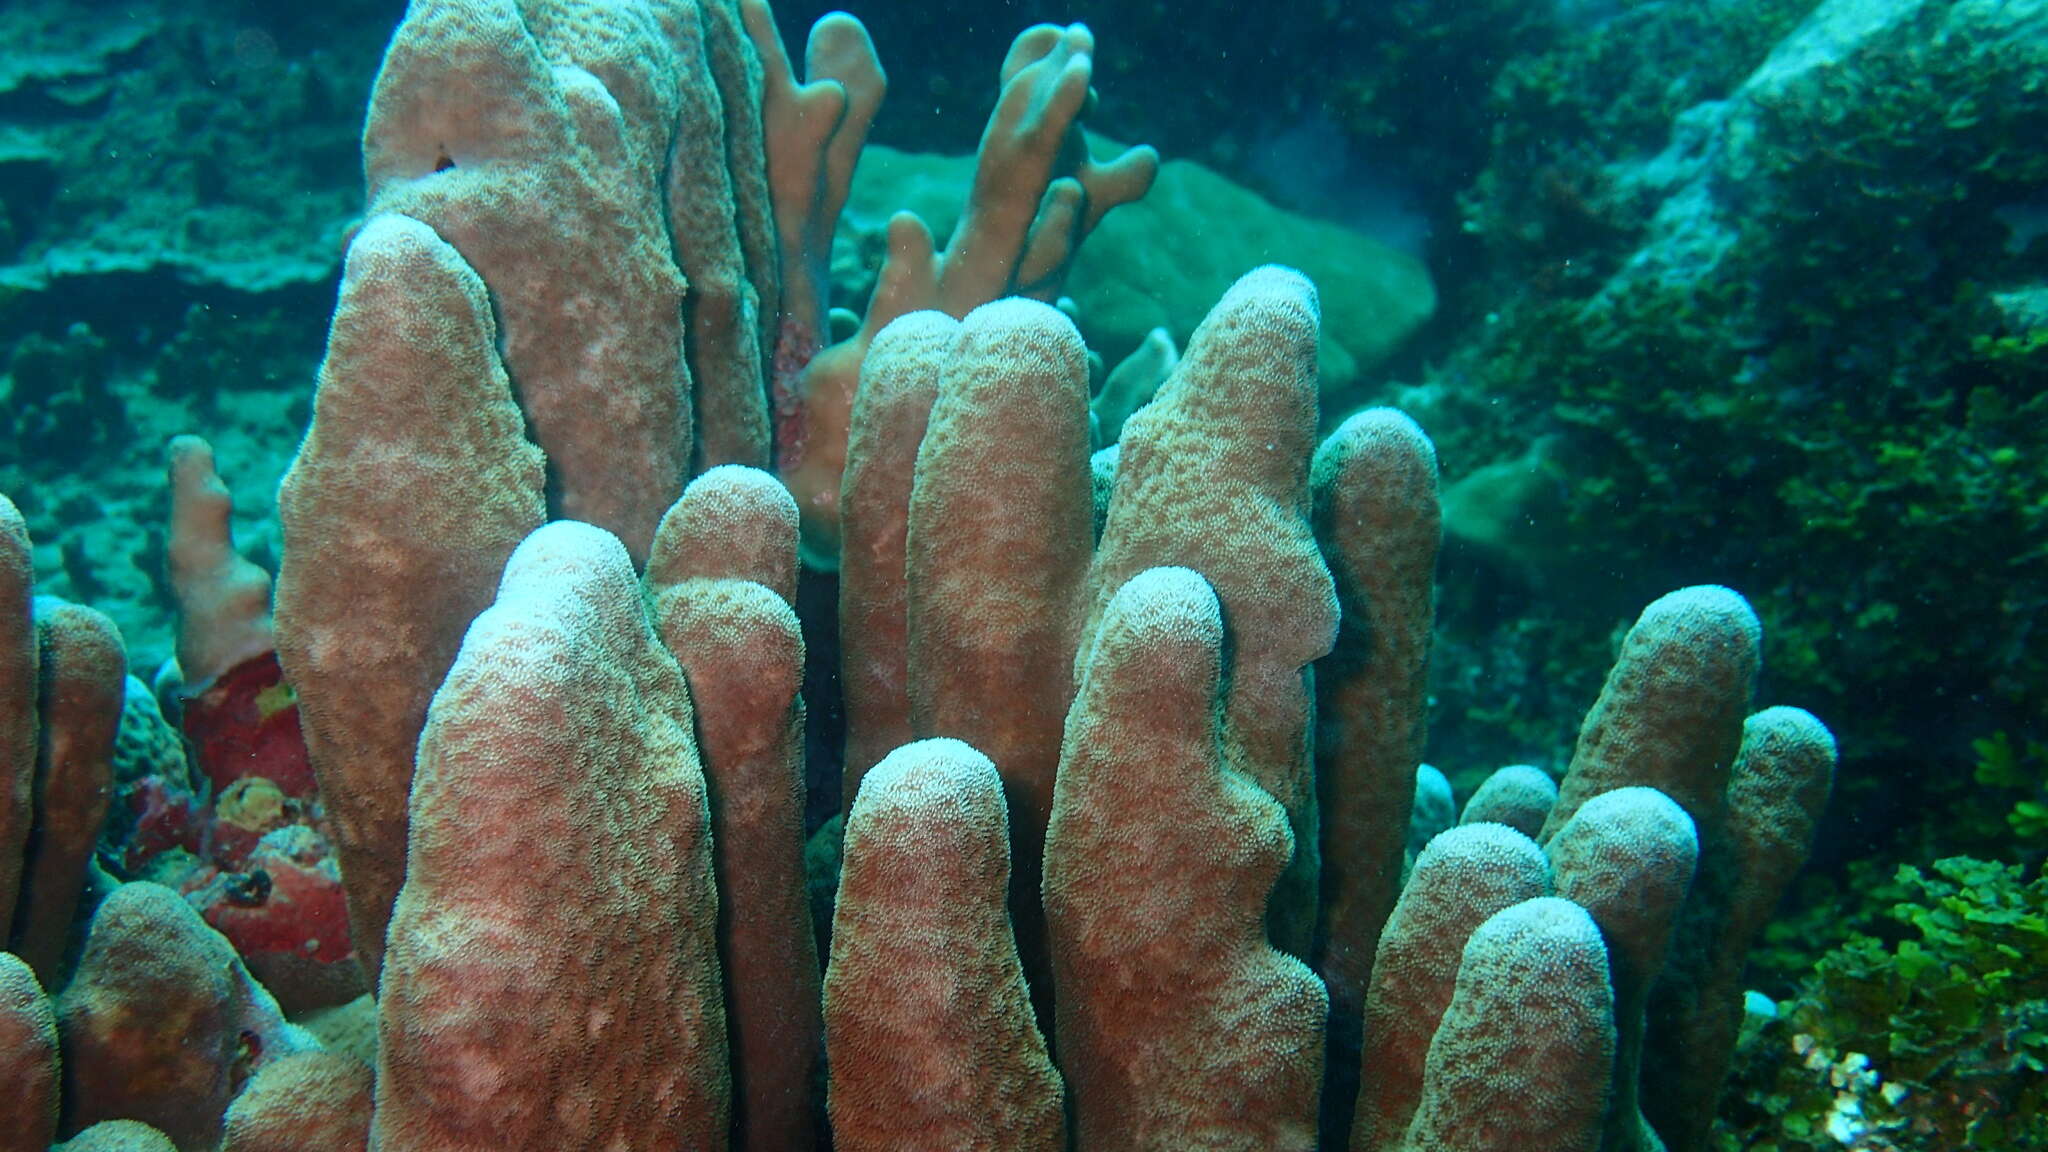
(925,1005)
(1213,475)
(721,576)
(1377,521)
(1179,1026)
(82,682)
(412,487)
(551,978)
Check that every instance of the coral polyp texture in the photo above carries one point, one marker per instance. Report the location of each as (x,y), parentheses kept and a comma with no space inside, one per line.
(28,1054)
(1134,849)
(1522,1057)
(1179,1023)
(925,1000)
(564,716)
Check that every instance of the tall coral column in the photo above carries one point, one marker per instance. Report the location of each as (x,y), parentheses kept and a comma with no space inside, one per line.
(1179,1025)
(925,1003)
(413,485)
(1377,522)
(720,581)
(1213,475)
(552,972)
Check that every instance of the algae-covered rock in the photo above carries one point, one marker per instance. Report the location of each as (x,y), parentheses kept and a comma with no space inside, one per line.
(1846,75)
(1791,326)
(155,140)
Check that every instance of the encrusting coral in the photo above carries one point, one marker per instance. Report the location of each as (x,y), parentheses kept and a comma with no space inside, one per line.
(303,1101)
(161,1022)
(1094,893)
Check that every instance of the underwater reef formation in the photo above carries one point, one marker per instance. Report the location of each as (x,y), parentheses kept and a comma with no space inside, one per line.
(179,185)
(1132,950)
(1090,895)
(1176,1018)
